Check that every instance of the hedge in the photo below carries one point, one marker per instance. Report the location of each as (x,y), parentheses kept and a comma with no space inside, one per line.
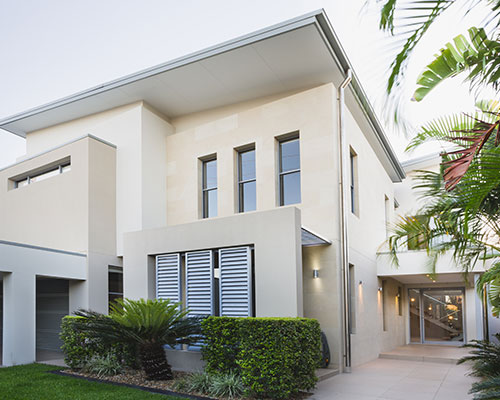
(79,349)
(276,357)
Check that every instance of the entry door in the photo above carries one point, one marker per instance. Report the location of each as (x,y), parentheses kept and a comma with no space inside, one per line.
(436,315)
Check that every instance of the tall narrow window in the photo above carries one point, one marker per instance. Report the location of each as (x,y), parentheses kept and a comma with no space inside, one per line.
(246,181)
(115,284)
(209,187)
(352,300)
(387,211)
(289,172)
(352,182)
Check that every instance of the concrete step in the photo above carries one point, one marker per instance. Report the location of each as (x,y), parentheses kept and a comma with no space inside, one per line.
(325,373)
(440,360)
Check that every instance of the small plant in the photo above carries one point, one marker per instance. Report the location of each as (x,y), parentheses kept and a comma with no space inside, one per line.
(227,385)
(485,357)
(107,365)
(199,382)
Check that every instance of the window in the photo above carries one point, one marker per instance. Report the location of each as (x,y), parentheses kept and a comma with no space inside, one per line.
(289,172)
(246,181)
(209,188)
(387,211)
(352,182)
(42,174)
(215,282)
(115,284)
(384,305)
(352,299)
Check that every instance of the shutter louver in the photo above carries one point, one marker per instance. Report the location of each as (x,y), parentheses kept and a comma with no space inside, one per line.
(235,284)
(199,283)
(168,277)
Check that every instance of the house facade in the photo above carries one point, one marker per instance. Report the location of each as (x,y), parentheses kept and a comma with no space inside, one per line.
(249,179)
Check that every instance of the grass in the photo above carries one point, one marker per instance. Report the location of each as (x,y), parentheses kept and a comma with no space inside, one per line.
(33,382)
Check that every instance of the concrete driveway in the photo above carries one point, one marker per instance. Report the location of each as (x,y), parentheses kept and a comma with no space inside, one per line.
(387,379)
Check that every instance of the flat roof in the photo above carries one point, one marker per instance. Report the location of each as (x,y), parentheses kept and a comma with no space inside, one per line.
(296,54)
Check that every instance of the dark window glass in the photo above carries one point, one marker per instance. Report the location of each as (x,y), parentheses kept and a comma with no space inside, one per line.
(246,181)
(209,187)
(353,188)
(290,155)
(210,174)
(115,285)
(289,181)
(248,195)
(290,188)
(247,165)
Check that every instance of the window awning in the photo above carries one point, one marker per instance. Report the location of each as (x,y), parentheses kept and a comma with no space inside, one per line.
(310,239)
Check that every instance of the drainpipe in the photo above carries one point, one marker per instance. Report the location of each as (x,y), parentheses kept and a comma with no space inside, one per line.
(344,201)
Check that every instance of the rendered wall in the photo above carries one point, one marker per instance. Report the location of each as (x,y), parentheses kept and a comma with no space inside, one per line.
(274,234)
(139,136)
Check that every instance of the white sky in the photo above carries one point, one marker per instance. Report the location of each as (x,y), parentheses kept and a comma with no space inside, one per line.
(53,48)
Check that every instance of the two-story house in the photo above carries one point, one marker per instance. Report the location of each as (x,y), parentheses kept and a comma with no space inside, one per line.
(248,179)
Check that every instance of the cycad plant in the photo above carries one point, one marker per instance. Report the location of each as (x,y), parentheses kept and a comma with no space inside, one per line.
(148,325)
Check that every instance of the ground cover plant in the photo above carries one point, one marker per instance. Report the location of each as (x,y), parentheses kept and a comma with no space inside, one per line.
(35,382)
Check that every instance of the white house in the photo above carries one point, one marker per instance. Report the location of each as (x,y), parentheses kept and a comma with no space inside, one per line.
(248,179)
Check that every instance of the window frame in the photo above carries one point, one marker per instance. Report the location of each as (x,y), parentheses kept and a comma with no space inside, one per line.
(241,182)
(205,191)
(282,174)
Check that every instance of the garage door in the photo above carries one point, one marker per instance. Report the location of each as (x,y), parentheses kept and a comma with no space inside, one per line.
(52,304)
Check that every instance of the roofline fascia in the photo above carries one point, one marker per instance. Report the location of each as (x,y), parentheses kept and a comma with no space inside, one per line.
(220,48)
(317,17)
(357,90)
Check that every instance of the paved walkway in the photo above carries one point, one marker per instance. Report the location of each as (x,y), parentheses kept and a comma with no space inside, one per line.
(386,379)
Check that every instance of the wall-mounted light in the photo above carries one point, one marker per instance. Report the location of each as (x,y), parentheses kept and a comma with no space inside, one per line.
(315,273)
(360,282)
(380,289)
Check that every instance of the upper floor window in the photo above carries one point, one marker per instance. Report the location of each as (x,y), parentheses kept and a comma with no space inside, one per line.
(353,163)
(247,191)
(289,171)
(42,174)
(209,188)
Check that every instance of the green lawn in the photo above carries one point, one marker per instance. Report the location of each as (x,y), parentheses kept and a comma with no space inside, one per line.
(33,382)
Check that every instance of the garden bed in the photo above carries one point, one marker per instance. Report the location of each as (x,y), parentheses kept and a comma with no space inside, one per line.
(137,379)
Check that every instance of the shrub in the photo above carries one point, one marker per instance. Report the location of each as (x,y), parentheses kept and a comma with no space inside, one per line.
(107,365)
(227,385)
(199,382)
(218,385)
(276,357)
(79,347)
(146,325)
(485,357)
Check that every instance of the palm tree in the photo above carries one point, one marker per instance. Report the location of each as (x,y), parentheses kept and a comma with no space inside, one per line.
(465,220)
(476,54)
(148,325)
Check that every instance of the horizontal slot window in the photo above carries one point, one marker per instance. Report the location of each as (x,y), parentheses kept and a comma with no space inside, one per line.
(41,174)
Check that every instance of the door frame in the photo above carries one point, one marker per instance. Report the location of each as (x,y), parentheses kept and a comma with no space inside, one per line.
(421,320)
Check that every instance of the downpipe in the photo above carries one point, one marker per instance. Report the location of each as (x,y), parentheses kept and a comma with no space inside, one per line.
(344,238)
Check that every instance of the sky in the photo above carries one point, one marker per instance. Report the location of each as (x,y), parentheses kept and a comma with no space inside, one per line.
(54,48)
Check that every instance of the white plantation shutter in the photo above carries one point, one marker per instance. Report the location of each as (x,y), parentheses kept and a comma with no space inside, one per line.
(199,282)
(168,277)
(235,282)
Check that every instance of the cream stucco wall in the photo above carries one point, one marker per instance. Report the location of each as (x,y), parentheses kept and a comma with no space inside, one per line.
(139,135)
(274,234)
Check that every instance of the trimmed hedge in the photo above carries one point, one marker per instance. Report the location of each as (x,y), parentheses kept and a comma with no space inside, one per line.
(276,357)
(79,349)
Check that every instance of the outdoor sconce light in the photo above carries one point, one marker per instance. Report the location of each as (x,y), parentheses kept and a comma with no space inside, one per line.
(360,282)
(315,273)
(380,288)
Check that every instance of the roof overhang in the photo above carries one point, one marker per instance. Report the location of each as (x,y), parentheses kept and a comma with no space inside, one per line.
(296,54)
(310,239)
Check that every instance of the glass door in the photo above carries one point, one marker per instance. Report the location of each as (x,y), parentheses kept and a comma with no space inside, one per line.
(436,315)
